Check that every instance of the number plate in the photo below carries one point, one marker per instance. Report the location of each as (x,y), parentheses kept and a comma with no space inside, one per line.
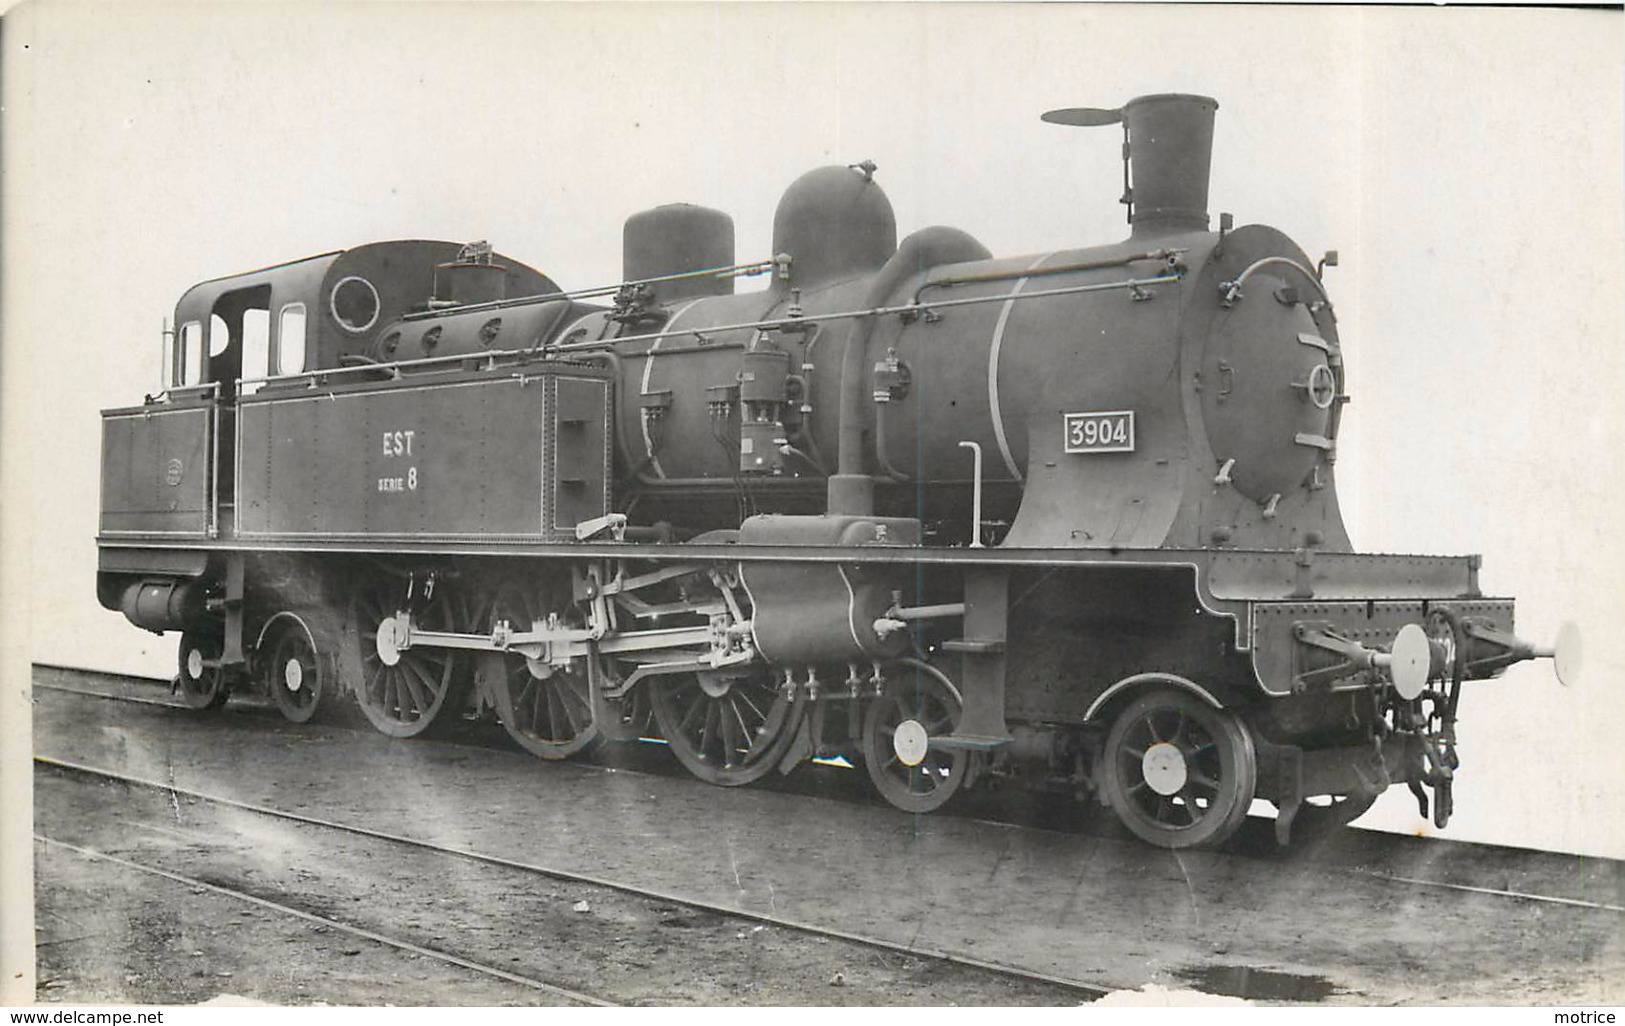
(1112,431)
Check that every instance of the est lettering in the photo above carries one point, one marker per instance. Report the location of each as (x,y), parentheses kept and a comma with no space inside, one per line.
(398,443)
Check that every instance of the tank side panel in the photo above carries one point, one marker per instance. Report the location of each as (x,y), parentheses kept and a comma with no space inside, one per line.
(155,471)
(458,459)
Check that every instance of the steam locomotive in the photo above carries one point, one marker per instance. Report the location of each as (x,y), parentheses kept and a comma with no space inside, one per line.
(1068,518)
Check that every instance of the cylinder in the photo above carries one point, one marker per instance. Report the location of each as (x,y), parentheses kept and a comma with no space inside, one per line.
(1170,138)
(807,613)
(675,239)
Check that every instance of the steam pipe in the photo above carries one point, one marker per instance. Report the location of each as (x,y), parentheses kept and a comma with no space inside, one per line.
(882,457)
(1043,272)
(976,493)
(850,489)
(911,309)
(751,269)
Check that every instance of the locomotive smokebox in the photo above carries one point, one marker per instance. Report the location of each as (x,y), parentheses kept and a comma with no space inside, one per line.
(1170,145)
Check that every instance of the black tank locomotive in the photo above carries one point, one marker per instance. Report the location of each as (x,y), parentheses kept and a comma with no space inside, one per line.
(1068,517)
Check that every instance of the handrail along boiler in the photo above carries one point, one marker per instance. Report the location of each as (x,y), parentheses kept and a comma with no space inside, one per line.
(424,474)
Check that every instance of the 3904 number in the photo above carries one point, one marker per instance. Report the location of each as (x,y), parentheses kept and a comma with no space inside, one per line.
(1111,431)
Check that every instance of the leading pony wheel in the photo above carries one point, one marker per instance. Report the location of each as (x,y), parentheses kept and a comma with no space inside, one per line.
(918,704)
(1178,772)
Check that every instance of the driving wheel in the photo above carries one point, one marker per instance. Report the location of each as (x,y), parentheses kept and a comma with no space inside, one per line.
(405,691)
(724,729)
(546,709)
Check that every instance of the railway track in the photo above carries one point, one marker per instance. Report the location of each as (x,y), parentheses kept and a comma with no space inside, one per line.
(496,743)
(1046,988)
(1038,901)
(106,696)
(196,885)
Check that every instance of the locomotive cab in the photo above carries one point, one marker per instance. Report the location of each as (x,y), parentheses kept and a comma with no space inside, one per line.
(169,466)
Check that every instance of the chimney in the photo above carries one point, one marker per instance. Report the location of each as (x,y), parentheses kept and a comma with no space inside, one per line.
(1167,154)
(1170,153)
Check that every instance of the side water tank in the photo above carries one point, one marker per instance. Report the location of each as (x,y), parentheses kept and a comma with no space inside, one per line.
(835,223)
(674,239)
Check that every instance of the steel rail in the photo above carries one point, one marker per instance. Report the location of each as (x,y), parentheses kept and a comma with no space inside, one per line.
(1496,892)
(1092,990)
(132,699)
(335,924)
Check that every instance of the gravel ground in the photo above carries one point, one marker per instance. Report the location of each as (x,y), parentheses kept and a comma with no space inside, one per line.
(115,934)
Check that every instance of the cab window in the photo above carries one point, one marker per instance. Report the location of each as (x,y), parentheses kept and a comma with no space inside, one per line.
(219,335)
(188,366)
(256,365)
(290,339)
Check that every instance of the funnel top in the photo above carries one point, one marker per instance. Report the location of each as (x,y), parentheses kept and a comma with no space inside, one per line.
(1197,98)
(1090,117)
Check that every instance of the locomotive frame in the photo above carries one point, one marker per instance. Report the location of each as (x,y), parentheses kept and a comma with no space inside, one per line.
(1177,632)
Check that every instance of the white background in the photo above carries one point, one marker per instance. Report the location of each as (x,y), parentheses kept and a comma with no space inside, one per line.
(1467,165)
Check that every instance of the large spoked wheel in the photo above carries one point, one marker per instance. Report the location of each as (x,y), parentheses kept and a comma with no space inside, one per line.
(295,672)
(201,679)
(547,710)
(907,770)
(405,692)
(1178,772)
(727,731)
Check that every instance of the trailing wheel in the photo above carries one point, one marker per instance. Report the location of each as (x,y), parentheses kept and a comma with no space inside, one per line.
(1178,772)
(546,709)
(725,730)
(909,772)
(202,680)
(405,691)
(295,672)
